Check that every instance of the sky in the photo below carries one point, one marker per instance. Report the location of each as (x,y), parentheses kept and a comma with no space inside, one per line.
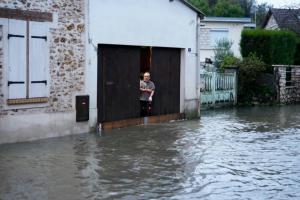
(280,3)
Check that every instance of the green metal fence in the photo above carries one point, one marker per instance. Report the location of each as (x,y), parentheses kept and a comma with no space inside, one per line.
(218,89)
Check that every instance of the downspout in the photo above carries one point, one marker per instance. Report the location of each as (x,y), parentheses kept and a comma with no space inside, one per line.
(198,64)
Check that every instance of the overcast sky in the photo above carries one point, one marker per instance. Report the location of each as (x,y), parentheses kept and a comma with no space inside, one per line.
(280,3)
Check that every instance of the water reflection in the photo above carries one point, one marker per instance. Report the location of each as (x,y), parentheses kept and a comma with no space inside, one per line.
(245,153)
(121,164)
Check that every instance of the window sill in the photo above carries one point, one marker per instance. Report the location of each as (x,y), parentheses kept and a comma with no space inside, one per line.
(27,101)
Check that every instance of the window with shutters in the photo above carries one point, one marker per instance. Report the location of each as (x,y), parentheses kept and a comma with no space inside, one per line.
(27,62)
(217,35)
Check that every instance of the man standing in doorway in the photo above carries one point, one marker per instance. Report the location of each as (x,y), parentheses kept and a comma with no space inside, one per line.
(147,88)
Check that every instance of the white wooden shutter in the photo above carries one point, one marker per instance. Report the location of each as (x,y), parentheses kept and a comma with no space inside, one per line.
(16,59)
(38,54)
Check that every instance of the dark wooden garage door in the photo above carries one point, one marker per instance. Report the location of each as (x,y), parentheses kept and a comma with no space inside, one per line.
(118,82)
(165,73)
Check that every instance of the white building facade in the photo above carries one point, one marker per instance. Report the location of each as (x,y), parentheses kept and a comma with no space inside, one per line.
(216,28)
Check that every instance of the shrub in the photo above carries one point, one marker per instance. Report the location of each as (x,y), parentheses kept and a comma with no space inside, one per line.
(297,54)
(249,70)
(284,47)
(272,46)
(222,50)
(230,61)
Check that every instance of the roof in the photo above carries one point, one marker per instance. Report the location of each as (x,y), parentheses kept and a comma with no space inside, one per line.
(227,19)
(250,25)
(286,19)
(200,13)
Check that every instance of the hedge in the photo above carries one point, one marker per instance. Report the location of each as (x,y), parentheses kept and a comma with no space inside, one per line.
(272,46)
(297,54)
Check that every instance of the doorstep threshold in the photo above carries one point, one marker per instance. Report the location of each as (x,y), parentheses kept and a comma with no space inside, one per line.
(140,121)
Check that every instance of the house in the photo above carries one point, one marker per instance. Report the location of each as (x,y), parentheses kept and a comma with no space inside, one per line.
(68,66)
(288,19)
(217,28)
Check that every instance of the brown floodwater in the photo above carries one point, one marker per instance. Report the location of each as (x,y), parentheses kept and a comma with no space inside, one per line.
(244,153)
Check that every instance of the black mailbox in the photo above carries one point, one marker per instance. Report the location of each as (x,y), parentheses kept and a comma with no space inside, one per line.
(82,108)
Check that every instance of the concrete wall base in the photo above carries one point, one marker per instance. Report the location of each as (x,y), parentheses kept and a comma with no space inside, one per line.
(35,126)
(192,109)
(29,127)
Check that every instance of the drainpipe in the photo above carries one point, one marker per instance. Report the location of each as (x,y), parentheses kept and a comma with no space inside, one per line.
(198,64)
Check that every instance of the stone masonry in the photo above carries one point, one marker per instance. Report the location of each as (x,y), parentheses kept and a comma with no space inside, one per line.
(66,52)
(285,93)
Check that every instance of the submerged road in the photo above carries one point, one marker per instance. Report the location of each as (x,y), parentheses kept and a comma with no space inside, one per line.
(244,153)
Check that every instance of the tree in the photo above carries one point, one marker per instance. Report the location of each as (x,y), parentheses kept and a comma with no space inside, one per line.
(225,8)
(260,13)
(247,6)
(211,3)
(222,50)
(201,5)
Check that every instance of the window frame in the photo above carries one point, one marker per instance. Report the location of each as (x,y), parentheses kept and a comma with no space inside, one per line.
(27,102)
(213,43)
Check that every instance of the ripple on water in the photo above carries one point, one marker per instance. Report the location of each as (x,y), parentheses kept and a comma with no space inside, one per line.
(245,153)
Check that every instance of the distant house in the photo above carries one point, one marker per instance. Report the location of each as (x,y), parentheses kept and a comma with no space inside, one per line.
(283,19)
(217,28)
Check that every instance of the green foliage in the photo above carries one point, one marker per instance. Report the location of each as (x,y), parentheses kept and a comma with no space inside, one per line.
(272,46)
(201,5)
(230,61)
(250,67)
(221,8)
(284,47)
(249,70)
(222,50)
(297,54)
(225,8)
(212,2)
(247,6)
(233,8)
(260,13)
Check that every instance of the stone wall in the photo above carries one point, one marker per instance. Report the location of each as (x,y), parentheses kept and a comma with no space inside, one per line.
(287,94)
(67,51)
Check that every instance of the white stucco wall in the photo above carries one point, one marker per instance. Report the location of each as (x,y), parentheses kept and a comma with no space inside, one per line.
(158,23)
(234,35)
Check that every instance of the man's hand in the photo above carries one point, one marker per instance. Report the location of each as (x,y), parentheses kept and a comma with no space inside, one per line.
(150,98)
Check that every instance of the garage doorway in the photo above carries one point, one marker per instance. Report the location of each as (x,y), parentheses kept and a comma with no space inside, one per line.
(119,70)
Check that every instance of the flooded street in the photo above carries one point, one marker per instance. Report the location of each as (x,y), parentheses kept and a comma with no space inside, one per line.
(244,153)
